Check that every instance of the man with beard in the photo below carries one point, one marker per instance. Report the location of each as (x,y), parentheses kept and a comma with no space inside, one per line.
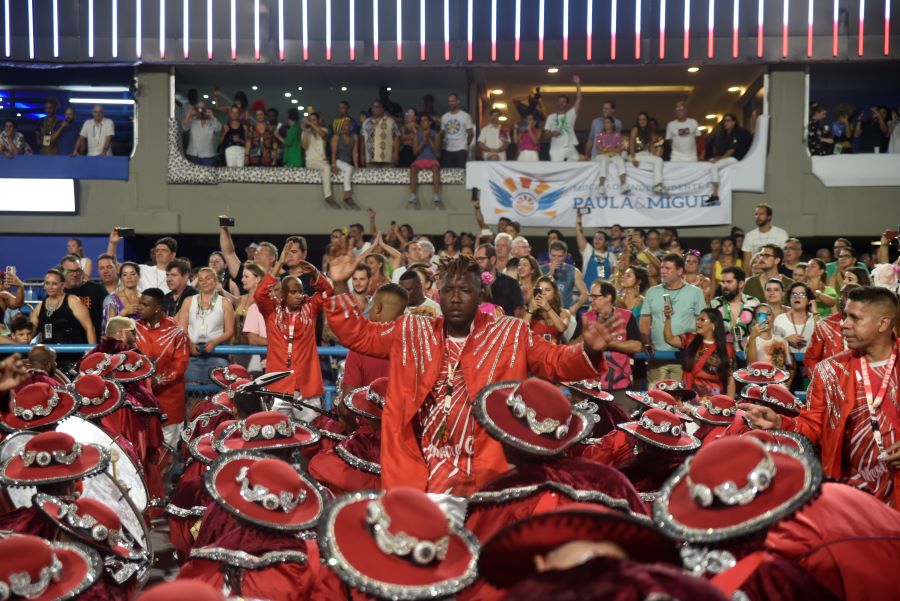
(765,233)
(735,306)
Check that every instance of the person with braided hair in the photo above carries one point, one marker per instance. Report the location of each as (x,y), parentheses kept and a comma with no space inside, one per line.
(430,438)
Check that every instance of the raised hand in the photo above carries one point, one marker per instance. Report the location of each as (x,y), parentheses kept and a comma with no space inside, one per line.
(762,418)
(598,335)
(341,263)
(114,236)
(12,372)
(306,267)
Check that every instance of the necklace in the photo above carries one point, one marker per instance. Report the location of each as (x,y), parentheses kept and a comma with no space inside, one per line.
(48,311)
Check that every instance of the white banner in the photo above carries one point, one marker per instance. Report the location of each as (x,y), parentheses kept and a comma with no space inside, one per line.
(546,194)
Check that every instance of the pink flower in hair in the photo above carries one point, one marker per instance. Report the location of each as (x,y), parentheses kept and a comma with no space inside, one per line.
(487,278)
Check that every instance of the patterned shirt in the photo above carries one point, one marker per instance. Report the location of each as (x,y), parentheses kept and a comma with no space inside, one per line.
(448,438)
(379,139)
(17,142)
(860,450)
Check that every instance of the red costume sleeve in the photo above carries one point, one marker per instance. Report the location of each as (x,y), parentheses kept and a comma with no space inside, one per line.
(812,418)
(263,295)
(560,362)
(814,351)
(356,332)
(353,376)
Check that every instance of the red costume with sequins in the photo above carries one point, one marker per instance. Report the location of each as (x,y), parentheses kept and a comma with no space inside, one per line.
(169,347)
(496,349)
(832,414)
(827,341)
(291,338)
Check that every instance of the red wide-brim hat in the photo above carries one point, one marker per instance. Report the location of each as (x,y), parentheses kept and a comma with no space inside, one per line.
(679,515)
(648,402)
(202,450)
(357,402)
(508,556)
(351,450)
(232,439)
(133,371)
(683,443)
(53,509)
(92,460)
(225,376)
(66,406)
(703,415)
(497,417)
(781,438)
(115,397)
(224,400)
(590,388)
(80,568)
(760,373)
(677,390)
(347,540)
(223,488)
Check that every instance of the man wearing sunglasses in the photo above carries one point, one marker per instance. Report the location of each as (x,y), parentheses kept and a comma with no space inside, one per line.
(91,294)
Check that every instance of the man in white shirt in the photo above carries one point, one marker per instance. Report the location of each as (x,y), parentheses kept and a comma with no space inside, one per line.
(458,133)
(608,110)
(493,139)
(97,133)
(682,133)
(152,276)
(203,135)
(418,303)
(561,127)
(765,233)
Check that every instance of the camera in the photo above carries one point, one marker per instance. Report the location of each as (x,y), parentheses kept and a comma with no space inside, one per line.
(226,221)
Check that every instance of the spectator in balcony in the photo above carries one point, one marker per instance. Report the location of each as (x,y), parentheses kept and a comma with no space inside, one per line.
(819,138)
(894,142)
(842,131)
(390,107)
(529,139)
(824,295)
(682,134)
(380,138)
(608,147)
(209,321)
(343,115)
(108,270)
(262,145)
(458,131)
(765,233)
(126,301)
(91,294)
(96,134)
(427,147)
(292,141)
(239,102)
(48,129)
(203,132)
(634,283)
(177,277)
(61,318)
(560,126)
(608,110)
(797,325)
(527,273)
(428,109)
(640,150)
(234,138)
(729,145)
(12,142)
(67,136)
(408,130)
(568,278)
(314,140)
(707,358)
(344,161)
(493,139)
(74,246)
(872,129)
(545,315)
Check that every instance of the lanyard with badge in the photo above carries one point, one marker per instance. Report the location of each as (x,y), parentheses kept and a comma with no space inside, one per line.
(874,402)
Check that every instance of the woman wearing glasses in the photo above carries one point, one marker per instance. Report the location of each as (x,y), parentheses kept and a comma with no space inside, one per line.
(797,325)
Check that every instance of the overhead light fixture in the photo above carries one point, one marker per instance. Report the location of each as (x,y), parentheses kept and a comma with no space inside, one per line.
(497,92)
(498,105)
(711,116)
(18,114)
(306,114)
(734,89)
(503,117)
(101,100)
(294,101)
(389,88)
(301,107)
(206,97)
(343,88)
(254,88)
(287,94)
(701,128)
(299,88)
(693,69)
(596,89)
(552,70)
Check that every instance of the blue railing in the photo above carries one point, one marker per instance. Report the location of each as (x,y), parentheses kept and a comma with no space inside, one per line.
(324,351)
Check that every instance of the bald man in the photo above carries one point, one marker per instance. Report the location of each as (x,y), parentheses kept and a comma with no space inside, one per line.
(41,367)
(853,399)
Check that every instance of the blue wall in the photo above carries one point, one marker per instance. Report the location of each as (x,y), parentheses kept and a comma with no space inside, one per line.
(34,255)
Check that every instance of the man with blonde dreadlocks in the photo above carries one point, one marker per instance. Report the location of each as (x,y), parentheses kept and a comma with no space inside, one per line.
(430,439)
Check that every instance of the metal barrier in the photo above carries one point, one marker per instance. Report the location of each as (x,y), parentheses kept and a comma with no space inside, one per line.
(324,351)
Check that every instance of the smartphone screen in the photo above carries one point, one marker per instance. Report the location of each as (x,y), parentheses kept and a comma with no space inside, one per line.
(761,317)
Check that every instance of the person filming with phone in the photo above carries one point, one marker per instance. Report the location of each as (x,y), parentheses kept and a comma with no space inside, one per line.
(545,315)
(764,345)
(202,134)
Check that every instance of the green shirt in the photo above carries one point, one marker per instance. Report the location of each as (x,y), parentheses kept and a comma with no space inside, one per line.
(293,149)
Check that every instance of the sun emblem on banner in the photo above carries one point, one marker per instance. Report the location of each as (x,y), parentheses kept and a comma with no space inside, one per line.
(527,197)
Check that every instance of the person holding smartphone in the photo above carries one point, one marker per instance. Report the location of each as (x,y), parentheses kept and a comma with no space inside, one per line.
(764,345)
(545,315)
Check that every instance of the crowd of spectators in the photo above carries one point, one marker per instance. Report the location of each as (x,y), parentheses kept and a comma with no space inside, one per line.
(857,131)
(759,293)
(61,136)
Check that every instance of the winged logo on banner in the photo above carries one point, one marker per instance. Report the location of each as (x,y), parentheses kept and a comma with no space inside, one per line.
(526,197)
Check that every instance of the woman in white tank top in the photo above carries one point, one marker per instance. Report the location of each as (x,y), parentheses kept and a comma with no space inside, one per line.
(208,318)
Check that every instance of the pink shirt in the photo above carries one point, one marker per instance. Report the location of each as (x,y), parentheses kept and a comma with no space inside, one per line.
(527,143)
(254,322)
(609,142)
